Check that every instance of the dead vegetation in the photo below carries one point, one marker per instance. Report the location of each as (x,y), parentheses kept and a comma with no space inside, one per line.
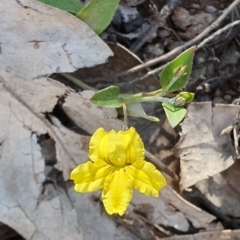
(45,123)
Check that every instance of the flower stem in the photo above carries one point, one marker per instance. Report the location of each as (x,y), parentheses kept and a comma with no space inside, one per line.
(125,113)
(130,99)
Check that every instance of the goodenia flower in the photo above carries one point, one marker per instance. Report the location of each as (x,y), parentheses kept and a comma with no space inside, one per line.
(117,166)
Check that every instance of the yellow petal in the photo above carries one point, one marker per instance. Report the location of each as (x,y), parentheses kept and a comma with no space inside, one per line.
(117,192)
(129,146)
(145,177)
(89,177)
(102,145)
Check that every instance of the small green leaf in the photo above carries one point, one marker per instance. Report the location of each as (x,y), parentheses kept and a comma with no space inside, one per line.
(174,114)
(73,6)
(175,75)
(108,97)
(98,14)
(136,110)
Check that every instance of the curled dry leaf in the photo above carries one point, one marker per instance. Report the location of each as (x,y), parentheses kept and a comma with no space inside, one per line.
(203,149)
(39,40)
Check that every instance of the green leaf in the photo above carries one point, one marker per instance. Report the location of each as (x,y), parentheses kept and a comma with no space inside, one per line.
(175,75)
(73,6)
(174,114)
(98,14)
(136,110)
(108,97)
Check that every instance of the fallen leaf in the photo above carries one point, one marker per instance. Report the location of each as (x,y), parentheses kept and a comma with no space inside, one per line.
(221,192)
(171,210)
(40,40)
(123,59)
(202,149)
(211,235)
(89,116)
(95,223)
(24,206)
(27,207)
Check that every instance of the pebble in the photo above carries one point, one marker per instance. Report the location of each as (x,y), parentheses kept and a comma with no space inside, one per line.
(218,100)
(163,33)
(228,98)
(210,9)
(217,93)
(195,5)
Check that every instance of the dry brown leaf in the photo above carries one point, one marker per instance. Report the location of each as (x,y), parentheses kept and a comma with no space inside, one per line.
(211,235)
(202,149)
(171,210)
(23,206)
(221,192)
(122,60)
(89,116)
(95,223)
(39,40)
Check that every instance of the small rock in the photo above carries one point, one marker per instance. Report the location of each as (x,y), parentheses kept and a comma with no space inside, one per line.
(163,33)
(228,98)
(181,18)
(218,100)
(195,5)
(203,97)
(153,50)
(230,57)
(210,9)
(127,13)
(217,93)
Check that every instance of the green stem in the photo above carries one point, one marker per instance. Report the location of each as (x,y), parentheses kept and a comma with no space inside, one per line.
(147,99)
(125,114)
(76,81)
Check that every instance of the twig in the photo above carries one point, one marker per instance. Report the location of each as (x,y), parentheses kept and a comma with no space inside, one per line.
(217,33)
(170,55)
(211,37)
(149,73)
(177,50)
(159,18)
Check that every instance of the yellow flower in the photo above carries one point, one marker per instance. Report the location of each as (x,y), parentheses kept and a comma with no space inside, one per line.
(117,165)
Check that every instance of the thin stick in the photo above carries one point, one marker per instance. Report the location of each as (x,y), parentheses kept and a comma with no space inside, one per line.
(217,33)
(76,81)
(211,37)
(125,116)
(170,55)
(159,18)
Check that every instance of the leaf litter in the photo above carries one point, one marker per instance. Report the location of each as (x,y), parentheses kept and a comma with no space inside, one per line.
(50,40)
(34,207)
